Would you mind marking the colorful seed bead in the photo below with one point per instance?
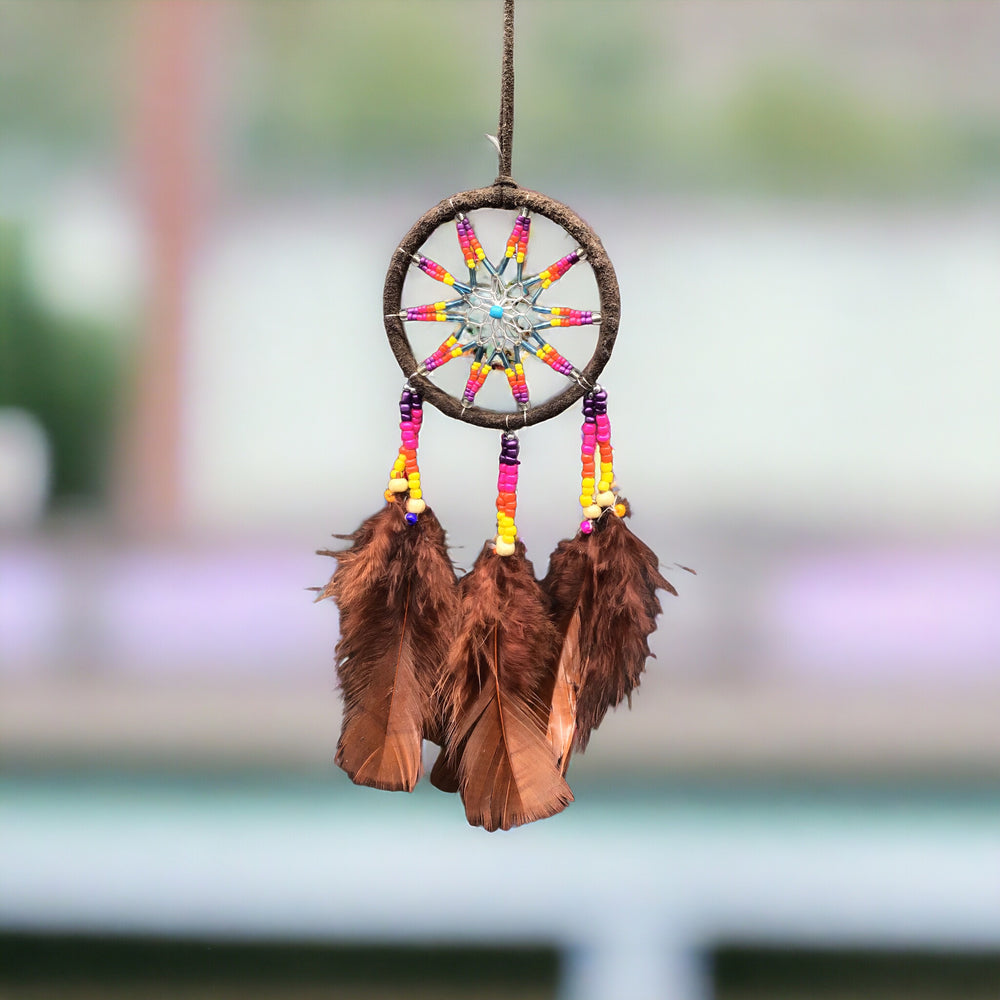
(588, 434)
(555, 271)
(445, 351)
(433, 312)
(477, 376)
(507, 494)
(517, 242)
(560, 316)
(437, 272)
(518, 386)
(472, 250)
(604, 437)
(555, 360)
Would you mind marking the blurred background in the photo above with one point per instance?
(198, 201)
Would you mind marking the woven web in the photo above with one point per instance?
(498, 318)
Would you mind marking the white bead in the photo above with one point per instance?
(503, 547)
(592, 512)
(606, 499)
(416, 506)
(398, 485)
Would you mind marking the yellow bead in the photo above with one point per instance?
(603, 486)
(586, 501)
(592, 511)
(414, 477)
(606, 467)
(415, 505)
(398, 485)
(503, 547)
(588, 482)
(448, 279)
(416, 494)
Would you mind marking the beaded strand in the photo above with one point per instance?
(561, 316)
(472, 250)
(515, 379)
(433, 312)
(597, 493)
(507, 495)
(434, 270)
(517, 242)
(445, 351)
(555, 271)
(553, 358)
(405, 474)
(478, 371)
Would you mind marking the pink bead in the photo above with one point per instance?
(586, 527)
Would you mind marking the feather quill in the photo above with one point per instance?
(602, 589)
(397, 593)
(498, 670)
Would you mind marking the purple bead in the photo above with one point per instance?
(411, 518)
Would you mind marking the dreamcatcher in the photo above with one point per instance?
(509, 675)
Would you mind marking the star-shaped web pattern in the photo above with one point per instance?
(497, 316)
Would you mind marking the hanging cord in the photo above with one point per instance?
(504, 139)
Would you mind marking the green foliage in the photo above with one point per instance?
(64, 372)
(793, 128)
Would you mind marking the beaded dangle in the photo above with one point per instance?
(506, 673)
(404, 477)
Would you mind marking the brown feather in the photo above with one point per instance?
(603, 592)
(500, 663)
(565, 690)
(444, 773)
(397, 593)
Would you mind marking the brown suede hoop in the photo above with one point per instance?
(504, 194)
